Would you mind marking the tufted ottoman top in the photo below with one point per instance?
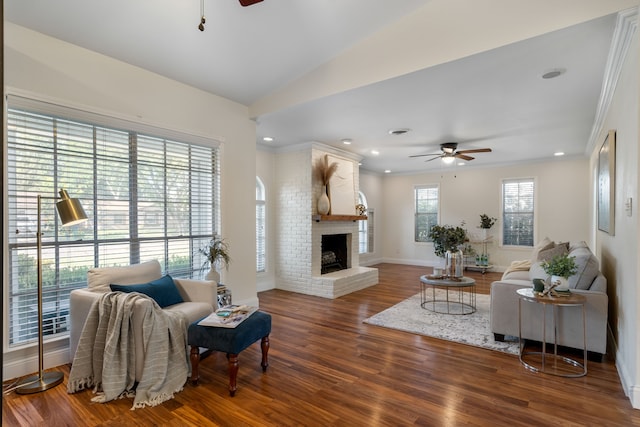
(230, 340)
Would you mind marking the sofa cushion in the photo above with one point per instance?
(99, 279)
(537, 272)
(163, 290)
(588, 268)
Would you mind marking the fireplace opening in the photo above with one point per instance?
(335, 253)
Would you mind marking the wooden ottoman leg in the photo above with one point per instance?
(195, 360)
(264, 345)
(233, 373)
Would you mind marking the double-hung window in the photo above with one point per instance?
(365, 227)
(426, 210)
(147, 197)
(518, 203)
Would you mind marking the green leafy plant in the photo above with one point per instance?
(447, 238)
(561, 265)
(486, 221)
(217, 253)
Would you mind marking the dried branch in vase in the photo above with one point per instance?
(323, 171)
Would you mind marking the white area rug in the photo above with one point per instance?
(472, 329)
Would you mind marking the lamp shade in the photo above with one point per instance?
(70, 210)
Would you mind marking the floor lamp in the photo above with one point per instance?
(70, 212)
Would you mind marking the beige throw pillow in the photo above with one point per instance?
(545, 244)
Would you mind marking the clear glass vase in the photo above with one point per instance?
(454, 263)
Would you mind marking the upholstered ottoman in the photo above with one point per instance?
(231, 341)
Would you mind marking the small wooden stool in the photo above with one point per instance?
(230, 341)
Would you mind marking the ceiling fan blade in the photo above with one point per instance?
(422, 155)
(437, 157)
(463, 157)
(476, 150)
(246, 3)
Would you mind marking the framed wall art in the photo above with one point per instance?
(606, 183)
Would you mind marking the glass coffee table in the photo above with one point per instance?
(458, 296)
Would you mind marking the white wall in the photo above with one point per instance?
(562, 206)
(49, 69)
(618, 254)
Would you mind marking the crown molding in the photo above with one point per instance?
(626, 27)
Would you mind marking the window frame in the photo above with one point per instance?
(365, 233)
(17, 198)
(533, 212)
(261, 204)
(416, 190)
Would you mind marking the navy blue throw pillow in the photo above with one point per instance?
(163, 290)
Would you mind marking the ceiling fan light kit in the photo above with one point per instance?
(449, 153)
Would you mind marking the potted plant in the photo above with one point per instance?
(446, 243)
(217, 253)
(560, 268)
(447, 238)
(486, 222)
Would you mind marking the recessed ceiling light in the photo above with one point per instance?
(551, 74)
(400, 131)
(559, 153)
(346, 141)
(461, 163)
(387, 171)
(375, 152)
(267, 139)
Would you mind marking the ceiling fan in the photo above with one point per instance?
(203, 20)
(449, 152)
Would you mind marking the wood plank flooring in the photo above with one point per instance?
(328, 368)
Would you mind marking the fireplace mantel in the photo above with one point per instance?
(354, 218)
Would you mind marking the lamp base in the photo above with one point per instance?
(35, 384)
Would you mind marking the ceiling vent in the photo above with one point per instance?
(398, 131)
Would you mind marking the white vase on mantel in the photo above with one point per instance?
(324, 204)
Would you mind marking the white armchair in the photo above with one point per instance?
(200, 300)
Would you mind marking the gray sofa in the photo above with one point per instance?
(588, 281)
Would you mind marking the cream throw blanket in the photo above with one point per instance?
(105, 358)
(518, 266)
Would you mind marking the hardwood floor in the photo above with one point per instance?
(328, 368)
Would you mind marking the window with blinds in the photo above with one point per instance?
(261, 238)
(518, 212)
(365, 228)
(146, 198)
(426, 210)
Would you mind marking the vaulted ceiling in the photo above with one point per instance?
(327, 70)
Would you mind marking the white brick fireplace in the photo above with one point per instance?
(299, 244)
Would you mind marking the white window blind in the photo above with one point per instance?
(518, 212)
(363, 228)
(426, 210)
(147, 198)
(261, 238)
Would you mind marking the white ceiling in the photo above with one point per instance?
(495, 98)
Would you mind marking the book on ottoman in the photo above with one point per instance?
(228, 316)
